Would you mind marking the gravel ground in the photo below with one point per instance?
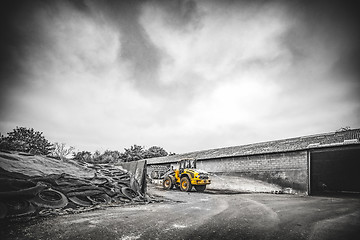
(209, 215)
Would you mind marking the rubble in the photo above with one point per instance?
(41, 186)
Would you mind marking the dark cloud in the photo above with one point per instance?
(179, 14)
(138, 47)
(22, 32)
(336, 22)
(243, 61)
(13, 17)
(80, 5)
(333, 25)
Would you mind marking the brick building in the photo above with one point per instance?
(309, 164)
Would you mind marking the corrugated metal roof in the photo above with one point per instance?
(338, 138)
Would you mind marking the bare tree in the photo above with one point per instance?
(61, 150)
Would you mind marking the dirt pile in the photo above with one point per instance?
(37, 185)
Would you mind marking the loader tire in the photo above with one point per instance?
(185, 184)
(200, 188)
(168, 183)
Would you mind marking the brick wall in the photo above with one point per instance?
(285, 169)
(155, 171)
(264, 162)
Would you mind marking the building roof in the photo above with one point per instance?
(338, 138)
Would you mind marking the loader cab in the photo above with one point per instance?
(187, 163)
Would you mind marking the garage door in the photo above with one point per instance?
(335, 170)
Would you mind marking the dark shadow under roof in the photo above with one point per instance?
(338, 138)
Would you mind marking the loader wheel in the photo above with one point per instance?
(185, 184)
(200, 188)
(167, 183)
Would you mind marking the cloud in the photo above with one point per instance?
(224, 64)
(184, 75)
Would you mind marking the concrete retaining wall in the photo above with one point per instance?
(287, 170)
(284, 169)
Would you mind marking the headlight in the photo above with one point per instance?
(203, 176)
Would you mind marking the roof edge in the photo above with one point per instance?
(354, 141)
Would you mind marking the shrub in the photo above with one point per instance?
(26, 140)
(60, 150)
(155, 151)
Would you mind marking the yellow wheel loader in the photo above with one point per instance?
(186, 176)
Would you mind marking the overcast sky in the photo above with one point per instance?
(183, 75)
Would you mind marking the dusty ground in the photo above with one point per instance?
(209, 215)
(241, 184)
